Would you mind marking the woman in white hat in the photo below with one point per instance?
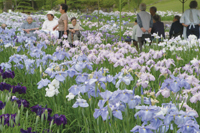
(50, 23)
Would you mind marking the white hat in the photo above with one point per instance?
(50, 12)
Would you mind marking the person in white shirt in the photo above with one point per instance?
(74, 30)
(190, 20)
(134, 35)
(49, 24)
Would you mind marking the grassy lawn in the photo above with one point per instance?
(162, 5)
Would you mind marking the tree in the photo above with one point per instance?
(25, 5)
(6, 4)
(136, 4)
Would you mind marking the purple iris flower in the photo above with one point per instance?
(1, 70)
(60, 55)
(81, 78)
(103, 112)
(124, 78)
(117, 113)
(93, 92)
(74, 89)
(80, 102)
(143, 129)
(59, 75)
(71, 72)
(20, 89)
(4, 86)
(7, 119)
(43, 82)
(133, 102)
(79, 66)
(27, 131)
(170, 117)
(14, 98)
(8, 74)
(163, 128)
(15, 58)
(39, 111)
(123, 96)
(146, 112)
(2, 105)
(84, 88)
(175, 84)
(156, 121)
(24, 102)
(5, 66)
(58, 120)
(188, 127)
(106, 96)
(35, 52)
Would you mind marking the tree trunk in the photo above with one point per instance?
(33, 4)
(9, 4)
(4, 7)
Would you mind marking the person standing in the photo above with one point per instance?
(190, 20)
(145, 22)
(158, 27)
(62, 22)
(176, 28)
(153, 11)
(134, 35)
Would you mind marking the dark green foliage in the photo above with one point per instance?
(25, 5)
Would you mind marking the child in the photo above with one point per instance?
(176, 28)
(158, 27)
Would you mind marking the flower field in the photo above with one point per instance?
(103, 85)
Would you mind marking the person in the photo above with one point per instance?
(29, 27)
(145, 23)
(62, 22)
(153, 11)
(190, 20)
(134, 35)
(49, 24)
(176, 28)
(3, 26)
(74, 30)
(158, 26)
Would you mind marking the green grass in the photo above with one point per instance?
(162, 5)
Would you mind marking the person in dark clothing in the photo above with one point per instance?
(176, 28)
(153, 11)
(158, 26)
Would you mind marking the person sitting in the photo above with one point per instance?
(74, 30)
(176, 28)
(3, 26)
(29, 27)
(134, 35)
(49, 24)
(158, 27)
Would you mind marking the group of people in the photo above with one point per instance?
(147, 24)
(55, 27)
